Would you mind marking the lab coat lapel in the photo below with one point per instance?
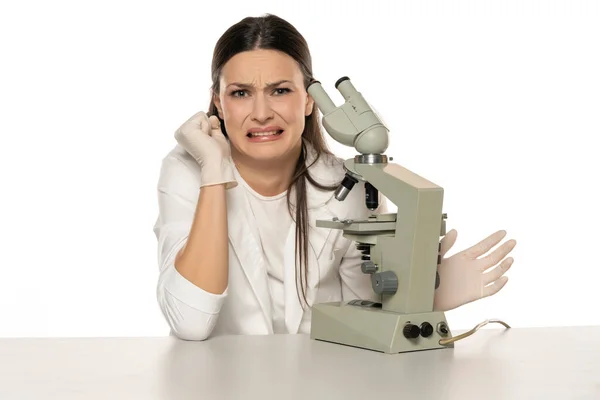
(317, 239)
(245, 240)
(317, 210)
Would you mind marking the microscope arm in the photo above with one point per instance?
(413, 250)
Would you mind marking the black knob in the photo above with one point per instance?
(426, 329)
(411, 331)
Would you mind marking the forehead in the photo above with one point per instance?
(261, 67)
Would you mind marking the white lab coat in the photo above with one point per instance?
(245, 306)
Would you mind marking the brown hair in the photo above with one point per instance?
(272, 32)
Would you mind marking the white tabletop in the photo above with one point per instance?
(537, 363)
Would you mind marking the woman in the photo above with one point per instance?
(238, 249)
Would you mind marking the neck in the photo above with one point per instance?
(268, 178)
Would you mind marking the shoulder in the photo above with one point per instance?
(325, 168)
(179, 169)
(178, 156)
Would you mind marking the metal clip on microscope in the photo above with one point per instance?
(400, 250)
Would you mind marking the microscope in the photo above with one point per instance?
(400, 251)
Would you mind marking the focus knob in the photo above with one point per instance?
(368, 267)
(411, 331)
(385, 282)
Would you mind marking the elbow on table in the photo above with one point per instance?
(190, 333)
(197, 327)
(185, 321)
(190, 311)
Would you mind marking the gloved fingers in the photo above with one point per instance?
(218, 137)
(215, 125)
(217, 133)
(495, 274)
(494, 288)
(494, 258)
(188, 131)
(485, 245)
(198, 120)
(204, 123)
(448, 241)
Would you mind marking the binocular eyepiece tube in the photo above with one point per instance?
(322, 99)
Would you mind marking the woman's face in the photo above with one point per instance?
(263, 103)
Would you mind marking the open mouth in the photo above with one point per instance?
(262, 134)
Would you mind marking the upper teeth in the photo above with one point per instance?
(264, 133)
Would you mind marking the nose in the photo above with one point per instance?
(261, 111)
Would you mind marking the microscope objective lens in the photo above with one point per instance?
(371, 196)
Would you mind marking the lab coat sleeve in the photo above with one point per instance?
(355, 283)
(190, 311)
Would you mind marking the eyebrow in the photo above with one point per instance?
(269, 85)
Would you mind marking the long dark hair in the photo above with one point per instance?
(272, 32)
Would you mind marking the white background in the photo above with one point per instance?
(497, 102)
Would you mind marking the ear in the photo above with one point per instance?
(309, 105)
(217, 102)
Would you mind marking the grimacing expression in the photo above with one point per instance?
(263, 103)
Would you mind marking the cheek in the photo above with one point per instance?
(292, 110)
(234, 112)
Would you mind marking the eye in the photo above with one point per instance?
(282, 90)
(238, 93)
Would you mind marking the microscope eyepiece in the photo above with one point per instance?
(342, 79)
(312, 82)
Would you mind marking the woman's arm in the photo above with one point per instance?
(192, 249)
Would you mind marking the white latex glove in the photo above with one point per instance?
(463, 276)
(203, 139)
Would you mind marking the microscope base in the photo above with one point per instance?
(372, 328)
